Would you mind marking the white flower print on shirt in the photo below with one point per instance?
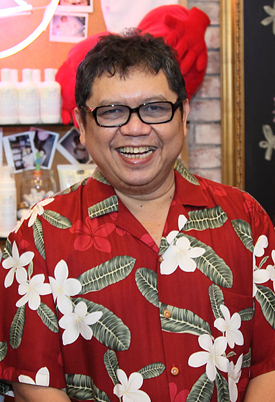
(181, 223)
(180, 255)
(77, 323)
(42, 378)
(37, 210)
(213, 357)
(271, 269)
(129, 389)
(234, 374)
(230, 325)
(32, 290)
(259, 275)
(16, 264)
(63, 287)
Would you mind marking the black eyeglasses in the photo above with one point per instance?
(119, 115)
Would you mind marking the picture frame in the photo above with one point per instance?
(248, 99)
(45, 142)
(19, 151)
(68, 27)
(67, 6)
(69, 146)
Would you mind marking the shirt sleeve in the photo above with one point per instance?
(29, 335)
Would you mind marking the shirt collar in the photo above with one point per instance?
(104, 200)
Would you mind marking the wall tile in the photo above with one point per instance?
(205, 110)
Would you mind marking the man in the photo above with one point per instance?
(137, 284)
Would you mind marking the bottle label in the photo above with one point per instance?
(7, 214)
(8, 102)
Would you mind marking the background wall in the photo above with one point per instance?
(205, 117)
(204, 130)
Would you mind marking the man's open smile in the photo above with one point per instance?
(136, 152)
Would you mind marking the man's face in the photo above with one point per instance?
(137, 158)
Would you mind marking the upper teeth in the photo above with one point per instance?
(135, 150)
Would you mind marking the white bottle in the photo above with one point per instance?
(8, 98)
(28, 99)
(50, 98)
(36, 78)
(14, 76)
(7, 201)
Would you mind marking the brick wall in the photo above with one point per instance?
(204, 135)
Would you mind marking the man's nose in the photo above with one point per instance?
(135, 126)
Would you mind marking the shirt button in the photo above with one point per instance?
(174, 371)
(166, 313)
(160, 258)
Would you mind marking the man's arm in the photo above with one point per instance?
(261, 388)
(34, 393)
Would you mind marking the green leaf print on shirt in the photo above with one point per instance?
(3, 350)
(7, 252)
(210, 264)
(97, 175)
(57, 220)
(82, 388)
(147, 283)
(203, 219)
(222, 388)
(152, 370)
(109, 329)
(48, 317)
(216, 299)
(38, 237)
(111, 364)
(17, 327)
(104, 207)
(184, 172)
(243, 230)
(183, 321)
(202, 390)
(266, 299)
(106, 274)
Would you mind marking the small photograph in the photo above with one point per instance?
(68, 27)
(71, 147)
(19, 151)
(78, 6)
(44, 144)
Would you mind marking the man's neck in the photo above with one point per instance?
(151, 210)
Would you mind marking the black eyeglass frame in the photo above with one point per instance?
(93, 112)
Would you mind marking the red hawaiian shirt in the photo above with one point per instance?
(91, 305)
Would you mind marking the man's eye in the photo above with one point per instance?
(156, 108)
(111, 113)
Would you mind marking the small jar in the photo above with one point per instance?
(37, 185)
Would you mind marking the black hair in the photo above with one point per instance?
(120, 54)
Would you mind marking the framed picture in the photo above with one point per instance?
(78, 6)
(19, 151)
(248, 98)
(71, 148)
(44, 142)
(68, 27)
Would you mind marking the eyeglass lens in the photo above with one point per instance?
(155, 112)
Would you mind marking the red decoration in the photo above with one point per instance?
(182, 29)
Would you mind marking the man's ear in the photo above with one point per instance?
(186, 111)
(81, 125)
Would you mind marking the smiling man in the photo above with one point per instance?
(145, 282)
